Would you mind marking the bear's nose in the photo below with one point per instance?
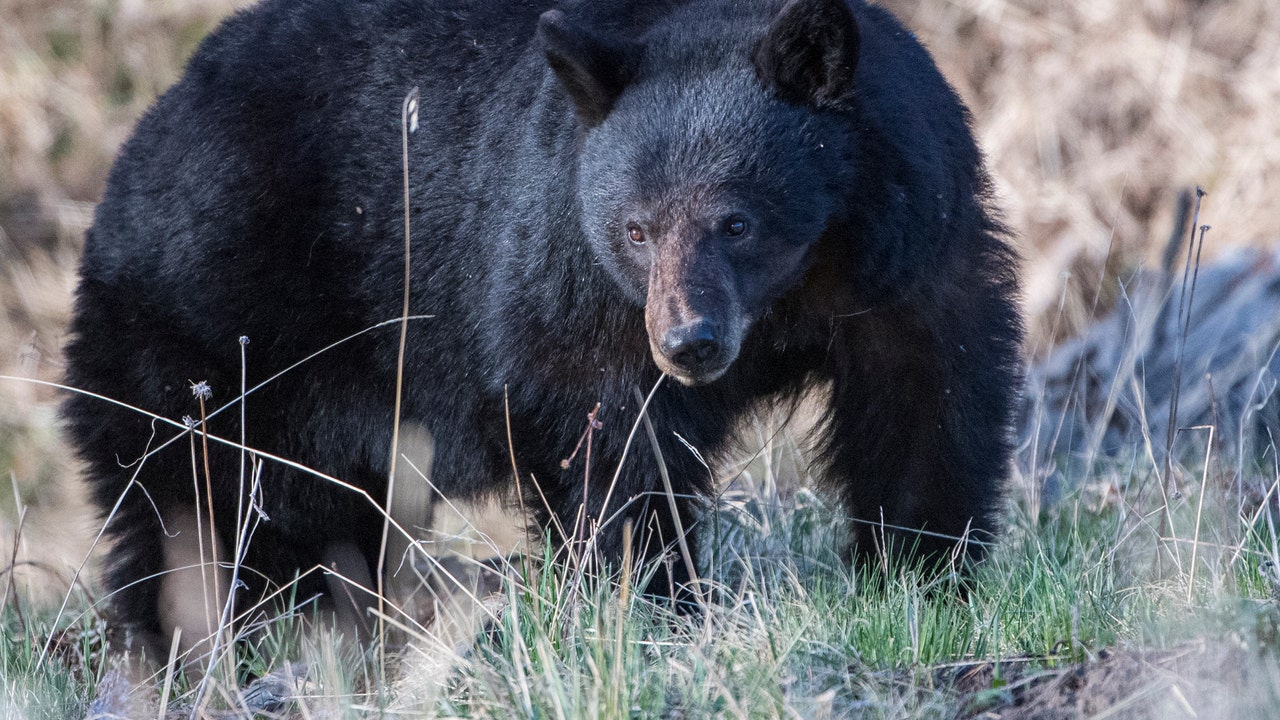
(692, 346)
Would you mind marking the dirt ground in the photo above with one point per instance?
(1201, 679)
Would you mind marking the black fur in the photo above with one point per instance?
(809, 54)
(261, 196)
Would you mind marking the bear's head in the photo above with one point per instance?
(714, 153)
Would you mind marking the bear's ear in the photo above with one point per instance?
(591, 70)
(809, 53)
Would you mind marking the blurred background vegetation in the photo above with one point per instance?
(1093, 114)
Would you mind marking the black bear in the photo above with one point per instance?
(750, 198)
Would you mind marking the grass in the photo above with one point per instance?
(792, 630)
(56, 689)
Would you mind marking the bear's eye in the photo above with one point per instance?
(635, 233)
(735, 226)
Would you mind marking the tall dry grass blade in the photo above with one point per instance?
(681, 540)
(10, 585)
(1184, 320)
(1195, 537)
(641, 416)
(247, 524)
(1184, 323)
(408, 124)
(200, 538)
(624, 594)
(202, 392)
(511, 453)
(171, 669)
(244, 506)
(220, 630)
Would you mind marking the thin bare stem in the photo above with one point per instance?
(1185, 300)
(694, 582)
(408, 124)
(1195, 541)
(170, 670)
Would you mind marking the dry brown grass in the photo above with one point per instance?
(74, 77)
(1094, 113)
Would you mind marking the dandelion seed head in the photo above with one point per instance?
(201, 390)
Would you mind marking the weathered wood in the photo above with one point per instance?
(1107, 393)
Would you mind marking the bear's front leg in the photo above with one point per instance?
(918, 442)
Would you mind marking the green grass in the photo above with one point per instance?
(792, 632)
(53, 684)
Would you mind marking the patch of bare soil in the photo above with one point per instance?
(1207, 678)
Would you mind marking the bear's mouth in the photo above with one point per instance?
(700, 379)
(705, 373)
